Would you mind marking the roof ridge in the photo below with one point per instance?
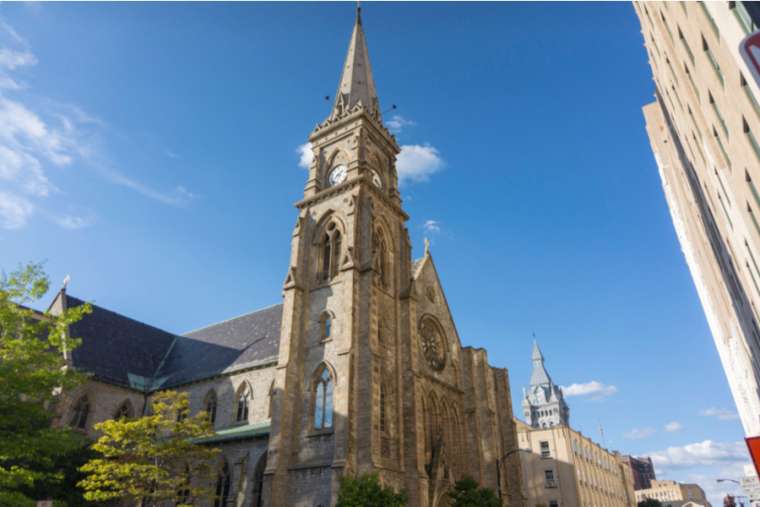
(184, 335)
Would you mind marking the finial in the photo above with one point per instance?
(427, 247)
(358, 12)
(66, 281)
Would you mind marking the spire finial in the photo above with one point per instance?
(358, 12)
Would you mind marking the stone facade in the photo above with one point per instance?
(366, 372)
(543, 402)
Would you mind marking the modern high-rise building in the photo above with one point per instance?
(704, 128)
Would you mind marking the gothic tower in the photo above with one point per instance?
(337, 397)
(544, 404)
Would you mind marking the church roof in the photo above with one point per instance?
(124, 351)
(114, 346)
(250, 339)
(356, 82)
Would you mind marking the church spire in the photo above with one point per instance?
(539, 376)
(356, 84)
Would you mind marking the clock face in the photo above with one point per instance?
(433, 344)
(337, 175)
(376, 179)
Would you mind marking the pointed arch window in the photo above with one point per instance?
(223, 483)
(381, 258)
(124, 411)
(81, 413)
(330, 248)
(209, 404)
(323, 400)
(325, 326)
(183, 491)
(383, 410)
(244, 397)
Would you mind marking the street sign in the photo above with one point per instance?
(750, 51)
(753, 444)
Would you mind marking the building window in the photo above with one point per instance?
(750, 137)
(553, 503)
(210, 406)
(545, 453)
(383, 414)
(325, 326)
(549, 478)
(329, 252)
(124, 411)
(713, 61)
(81, 413)
(323, 400)
(223, 482)
(380, 259)
(243, 402)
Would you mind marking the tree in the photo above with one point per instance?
(650, 502)
(468, 493)
(33, 374)
(157, 458)
(366, 491)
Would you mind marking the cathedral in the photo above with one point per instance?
(359, 368)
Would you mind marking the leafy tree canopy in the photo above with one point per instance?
(156, 458)
(33, 374)
(468, 493)
(366, 491)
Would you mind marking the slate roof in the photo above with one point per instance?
(113, 346)
(247, 340)
(123, 351)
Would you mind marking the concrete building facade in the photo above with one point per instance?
(360, 368)
(672, 491)
(642, 469)
(703, 128)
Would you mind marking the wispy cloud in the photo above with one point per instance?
(720, 413)
(305, 155)
(673, 426)
(702, 453)
(639, 433)
(38, 137)
(397, 123)
(416, 163)
(594, 390)
(432, 226)
(14, 211)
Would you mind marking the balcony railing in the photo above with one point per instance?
(715, 66)
(753, 143)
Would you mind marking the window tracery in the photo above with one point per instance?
(323, 399)
(209, 404)
(329, 252)
(243, 402)
(81, 413)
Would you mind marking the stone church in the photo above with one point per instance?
(358, 369)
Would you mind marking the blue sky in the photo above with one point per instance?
(151, 152)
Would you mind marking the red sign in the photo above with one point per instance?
(753, 444)
(750, 51)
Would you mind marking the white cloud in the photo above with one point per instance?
(11, 59)
(14, 211)
(73, 222)
(703, 453)
(416, 163)
(639, 433)
(432, 226)
(673, 426)
(43, 134)
(720, 413)
(397, 123)
(594, 390)
(305, 155)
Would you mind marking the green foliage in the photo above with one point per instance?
(154, 458)
(366, 491)
(33, 373)
(650, 502)
(468, 493)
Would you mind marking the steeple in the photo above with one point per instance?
(539, 376)
(543, 402)
(356, 84)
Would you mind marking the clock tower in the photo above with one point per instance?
(337, 397)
